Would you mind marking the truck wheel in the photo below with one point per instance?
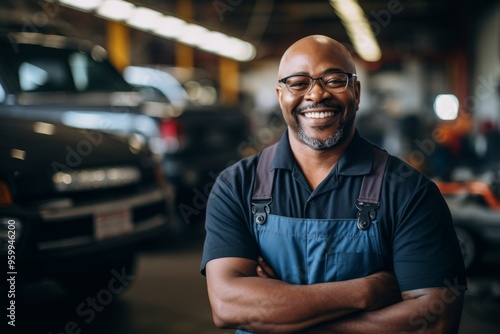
(468, 246)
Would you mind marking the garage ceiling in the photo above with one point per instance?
(401, 26)
(416, 26)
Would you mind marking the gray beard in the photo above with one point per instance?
(322, 144)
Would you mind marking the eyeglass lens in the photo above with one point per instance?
(332, 82)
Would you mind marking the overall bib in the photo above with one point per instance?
(309, 251)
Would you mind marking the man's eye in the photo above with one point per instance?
(335, 82)
(298, 84)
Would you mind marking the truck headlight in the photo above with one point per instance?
(98, 178)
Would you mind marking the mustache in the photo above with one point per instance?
(323, 104)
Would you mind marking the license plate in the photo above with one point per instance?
(112, 224)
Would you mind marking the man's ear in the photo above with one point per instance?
(357, 92)
(279, 92)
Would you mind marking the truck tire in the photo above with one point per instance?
(469, 247)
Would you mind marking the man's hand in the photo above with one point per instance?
(385, 290)
(264, 270)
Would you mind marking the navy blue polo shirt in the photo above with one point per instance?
(417, 236)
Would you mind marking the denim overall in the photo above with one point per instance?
(309, 251)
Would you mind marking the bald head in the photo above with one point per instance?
(316, 45)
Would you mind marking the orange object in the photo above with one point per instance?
(475, 188)
(5, 197)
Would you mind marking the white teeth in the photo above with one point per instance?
(318, 114)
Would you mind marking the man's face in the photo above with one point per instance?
(319, 119)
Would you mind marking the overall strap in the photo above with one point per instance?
(263, 185)
(367, 203)
(369, 194)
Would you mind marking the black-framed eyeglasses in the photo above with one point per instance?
(301, 84)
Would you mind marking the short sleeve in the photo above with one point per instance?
(227, 231)
(426, 252)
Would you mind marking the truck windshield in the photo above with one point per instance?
(35, 68)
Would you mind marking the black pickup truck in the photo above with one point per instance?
(75, 204)
(81, 186)
(69, 81)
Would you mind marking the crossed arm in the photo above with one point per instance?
(244, 295)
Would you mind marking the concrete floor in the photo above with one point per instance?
(168, 296)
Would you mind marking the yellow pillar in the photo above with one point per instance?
(118, 44)
(229, 80)
(184, 55)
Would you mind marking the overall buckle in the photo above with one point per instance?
(367, 213)
(260, 211)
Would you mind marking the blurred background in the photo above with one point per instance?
(116, 117)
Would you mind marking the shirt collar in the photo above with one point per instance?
(356, 160)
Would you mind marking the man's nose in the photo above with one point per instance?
(318, 92)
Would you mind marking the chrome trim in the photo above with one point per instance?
(68, 213)
(96, 99)
(145, 225)
(63, 243)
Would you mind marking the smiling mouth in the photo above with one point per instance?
(315, 114)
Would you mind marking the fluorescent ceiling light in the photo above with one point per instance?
(238, 50)
(358, 29)
(117, 10)
(364, 40)
(193, 34)
(214, 41)
(227, 46)
(144, 18)
(170, 27)
(248, 52)
(218, 49)
(348, 10)
(87, 6)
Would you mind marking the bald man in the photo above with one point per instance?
(324, 232)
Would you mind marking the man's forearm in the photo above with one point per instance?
(266, 306)
(437, 311)
(271, 306)
(240, 300)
